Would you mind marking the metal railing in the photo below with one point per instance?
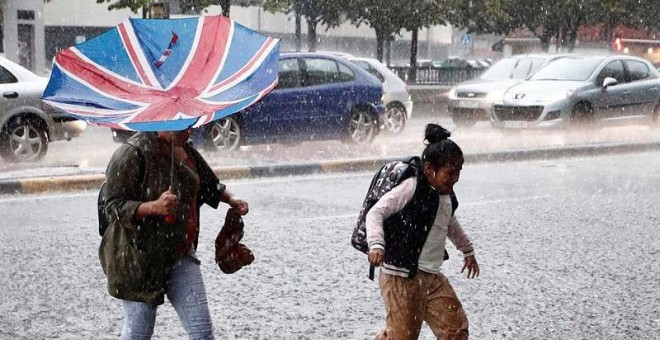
(437, 75)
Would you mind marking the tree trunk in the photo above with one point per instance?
(545, 40)
(389, 50)
(225, 5)
(298, 30)
(412, 76)
(311, 34)
(380, 42)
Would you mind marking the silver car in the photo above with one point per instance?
(582, 90)
(26, 124)
(471, 101)
(396, 97)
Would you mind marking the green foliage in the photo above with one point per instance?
(133, 5)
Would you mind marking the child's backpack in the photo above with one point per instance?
(103, 218)
(389, 176)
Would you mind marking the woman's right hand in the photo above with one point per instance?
(165, 204)
(376, 256)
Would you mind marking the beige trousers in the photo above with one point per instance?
(426, 297)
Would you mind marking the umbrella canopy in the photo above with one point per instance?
(164, 74)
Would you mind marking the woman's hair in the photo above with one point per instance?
(439, 150)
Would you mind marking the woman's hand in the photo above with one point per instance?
(239, 205)
(165, 204)
(470, 262)
(376, 256)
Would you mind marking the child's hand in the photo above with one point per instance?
(376, 256)
(470, 262)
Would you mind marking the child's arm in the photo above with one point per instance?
(388, 205)
(459, 238)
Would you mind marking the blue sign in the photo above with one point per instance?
(466, 39)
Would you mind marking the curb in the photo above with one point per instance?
(88, 182)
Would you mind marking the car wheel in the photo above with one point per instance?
(463, 120)
(361, 127)
(582, 115)
(395, 118)
(655, 116)
(226, 134)
(23, 140)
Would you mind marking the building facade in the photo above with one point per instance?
(34, 30)
(22, 33)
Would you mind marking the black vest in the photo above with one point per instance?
(407, 230)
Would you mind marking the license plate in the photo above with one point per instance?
(470, 104)
(515, 124)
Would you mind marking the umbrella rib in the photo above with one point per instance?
(132, 45)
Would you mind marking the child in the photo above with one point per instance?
(406, 231)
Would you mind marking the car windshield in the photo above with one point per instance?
(500, 70)
(513, 68)
(568, 69)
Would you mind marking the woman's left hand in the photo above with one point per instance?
(470, 262)
(239, 205)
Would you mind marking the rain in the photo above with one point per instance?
(557, 193)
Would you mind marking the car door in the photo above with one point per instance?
(644, 91)
(281, 111)
(10, 90)
(329, 84)
(610, 102)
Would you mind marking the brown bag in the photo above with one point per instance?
(230, 255)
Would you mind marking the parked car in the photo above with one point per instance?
(27, 124)
(582, 90)
(396, 97)
(319, 97)
(471, 101)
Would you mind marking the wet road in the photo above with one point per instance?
(569, 249)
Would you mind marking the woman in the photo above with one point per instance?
(406, 231)
(156, 184)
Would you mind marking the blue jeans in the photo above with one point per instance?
(187, 294)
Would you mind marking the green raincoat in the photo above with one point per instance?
(137, 255)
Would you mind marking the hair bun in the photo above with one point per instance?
(435, 133)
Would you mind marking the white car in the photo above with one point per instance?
(27, 124)
(396, 97)
(471, 101)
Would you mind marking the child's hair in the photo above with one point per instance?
(439, 150)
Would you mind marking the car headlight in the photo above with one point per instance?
(556, 96)
(452, 93)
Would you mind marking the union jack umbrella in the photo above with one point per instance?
(164, 74)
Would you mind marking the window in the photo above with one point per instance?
(367, 67)
(522, 69)
(320, 71)
(569, 68)
(6, 77)
(613, 70)
(346, 74)
(637, 70)
(289, 75)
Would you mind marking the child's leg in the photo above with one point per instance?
(404, 306)
(444, 312)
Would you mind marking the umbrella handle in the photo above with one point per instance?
(169, 219)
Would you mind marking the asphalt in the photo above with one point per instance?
(49, 180)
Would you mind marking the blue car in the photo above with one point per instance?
(319, 97)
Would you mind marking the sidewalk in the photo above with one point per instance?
(62, 179)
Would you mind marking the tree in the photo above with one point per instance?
(422, 13)
(326, 12)
(384, 16)
(133, 5)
